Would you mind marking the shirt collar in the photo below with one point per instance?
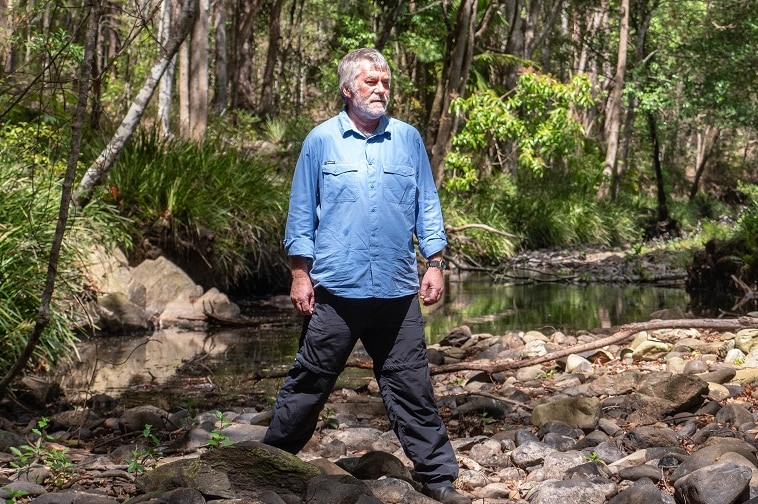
(346, 125)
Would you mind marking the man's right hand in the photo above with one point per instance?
(301, 292)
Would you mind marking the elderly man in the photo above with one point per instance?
(362, 189)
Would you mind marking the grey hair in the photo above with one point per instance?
(350, 66)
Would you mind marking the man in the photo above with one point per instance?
(362, 190)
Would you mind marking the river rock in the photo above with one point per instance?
(720, 483)
(155, 292)
(580, 412)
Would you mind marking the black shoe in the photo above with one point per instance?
(447, 495)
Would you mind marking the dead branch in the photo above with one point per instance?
(625, 332)
(483, 227)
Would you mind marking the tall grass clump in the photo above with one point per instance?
(546, 219)
(205, 203)
(478, 229)
(30, 189)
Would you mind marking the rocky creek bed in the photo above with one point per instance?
(662, 412)
(663, 415)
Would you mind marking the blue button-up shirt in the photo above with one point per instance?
(356, 204)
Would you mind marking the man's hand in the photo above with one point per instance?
(301, 291)
(432, 286)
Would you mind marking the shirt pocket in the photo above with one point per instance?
(340, 182)
(399, 184)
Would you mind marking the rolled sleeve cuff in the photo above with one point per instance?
(301, 247)
(432, 244)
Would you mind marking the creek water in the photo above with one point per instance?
(223, 366)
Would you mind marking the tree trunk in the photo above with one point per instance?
(166, 83)
(706, 141)
(198, 83)
(7, 28)
(266, 107)
(614, 109)
(663, 212)
(99, 169)
(453, 84)
(93, 8)
(220, 98)
(242, 93)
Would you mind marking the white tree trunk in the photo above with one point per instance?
(164, 91)
(613, 117)
(182, 84)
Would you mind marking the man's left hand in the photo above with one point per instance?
(432, 286)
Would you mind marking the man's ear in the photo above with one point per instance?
(346, 92)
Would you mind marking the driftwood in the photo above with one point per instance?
(625, 332)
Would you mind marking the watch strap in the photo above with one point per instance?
(437, 263)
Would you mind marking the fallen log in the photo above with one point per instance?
(625, 332)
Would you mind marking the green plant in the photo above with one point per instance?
(593, 457)
(329, 419)
(14, 495)
(486, 422)
(30, 187)
(141, 456)
(545, 375)
(30, 454)
(217, 439)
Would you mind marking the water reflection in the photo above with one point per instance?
(497, 308)
(222, 366)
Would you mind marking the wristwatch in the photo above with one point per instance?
(440, 263)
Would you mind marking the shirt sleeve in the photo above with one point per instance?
(430, 228)
(302, 216)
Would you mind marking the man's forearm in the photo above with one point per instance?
(299, 266)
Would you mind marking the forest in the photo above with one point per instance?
(172, 128)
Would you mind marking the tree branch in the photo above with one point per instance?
(625, 332)
(484, 227)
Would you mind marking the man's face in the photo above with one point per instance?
(370, 93)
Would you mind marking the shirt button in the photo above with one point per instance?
(373, 210)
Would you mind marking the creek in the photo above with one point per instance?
(221, 365)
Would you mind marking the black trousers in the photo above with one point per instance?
(392, 332)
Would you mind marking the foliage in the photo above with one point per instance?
(13, 495)
(747, 230)
(721, 56)
(144, 456)
(30, 186)
(208, 197)
(329, 419)
(534, 122)
(216, 438)
(54, 458)
(546, 198)
(475, 245)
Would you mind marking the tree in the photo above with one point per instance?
(220, 97)
(241, 59)
(613, 117)
(460, 51)
(167, 80)
(92, 10)
(266, 107)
